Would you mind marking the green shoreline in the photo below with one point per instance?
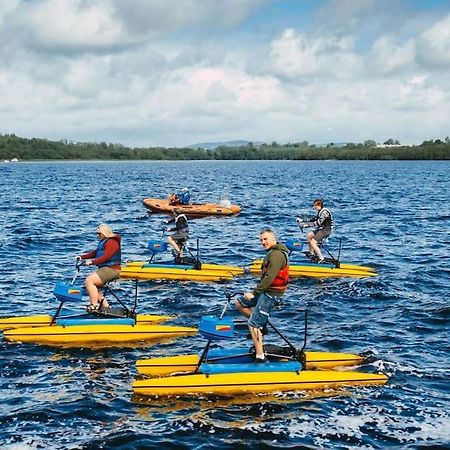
(40, 150)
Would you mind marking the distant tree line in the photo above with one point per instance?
(12, 146)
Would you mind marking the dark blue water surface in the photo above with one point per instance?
(392, 215)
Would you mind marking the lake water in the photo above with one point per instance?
(391, 215)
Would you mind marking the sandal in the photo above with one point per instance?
(92, 308)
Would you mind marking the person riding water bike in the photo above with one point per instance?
(256, 305)
(181, 235)
(324, 223)
(107, 257)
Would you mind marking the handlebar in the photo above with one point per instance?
(80, 262)
(231, 296)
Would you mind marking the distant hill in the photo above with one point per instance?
(214, 145)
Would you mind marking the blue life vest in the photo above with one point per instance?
(184, 198)
(115, 260)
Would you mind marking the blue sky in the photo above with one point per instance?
(177, 72)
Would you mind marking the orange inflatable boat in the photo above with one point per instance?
(157, 205)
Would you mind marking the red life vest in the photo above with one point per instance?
(280, 282)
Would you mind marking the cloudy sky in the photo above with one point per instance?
(178, 72)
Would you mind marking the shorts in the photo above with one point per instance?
(181, 235)
(262, 305)
(107, 274)
(320, 235)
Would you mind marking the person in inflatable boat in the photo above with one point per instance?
(257, 304)
(107, 257)
(180, 198)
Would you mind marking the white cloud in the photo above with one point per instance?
(67, 26)
(71, 26)
(434, 44)
(387, 56)
(167, 15)
(148, 73)
(295, 55)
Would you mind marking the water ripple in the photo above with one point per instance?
(391, 215)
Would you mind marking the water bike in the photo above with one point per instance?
(186, 268)
(233, 370)
(112, 325)
(193, 210)
(303, 264)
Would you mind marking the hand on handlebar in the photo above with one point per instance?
(79, 262)
(234, 294)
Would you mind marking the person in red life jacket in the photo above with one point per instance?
(256, 305)
(107, 257)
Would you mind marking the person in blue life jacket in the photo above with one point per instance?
(107, 257)
(184, 196)
(323, 223)
(181, 232)
(257, 304)
(180, 198)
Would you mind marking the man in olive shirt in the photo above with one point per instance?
(256, 305)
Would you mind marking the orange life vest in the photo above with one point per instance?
(280, 282)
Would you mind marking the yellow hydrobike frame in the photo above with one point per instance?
(105, 325)
(229, 371)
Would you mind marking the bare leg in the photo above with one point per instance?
(257, 341)
(247, 312)
(96, 297)
(102, 300)
(316, 249)
(255, 333)
(309, 236)
(173, 244)
(92, 283)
